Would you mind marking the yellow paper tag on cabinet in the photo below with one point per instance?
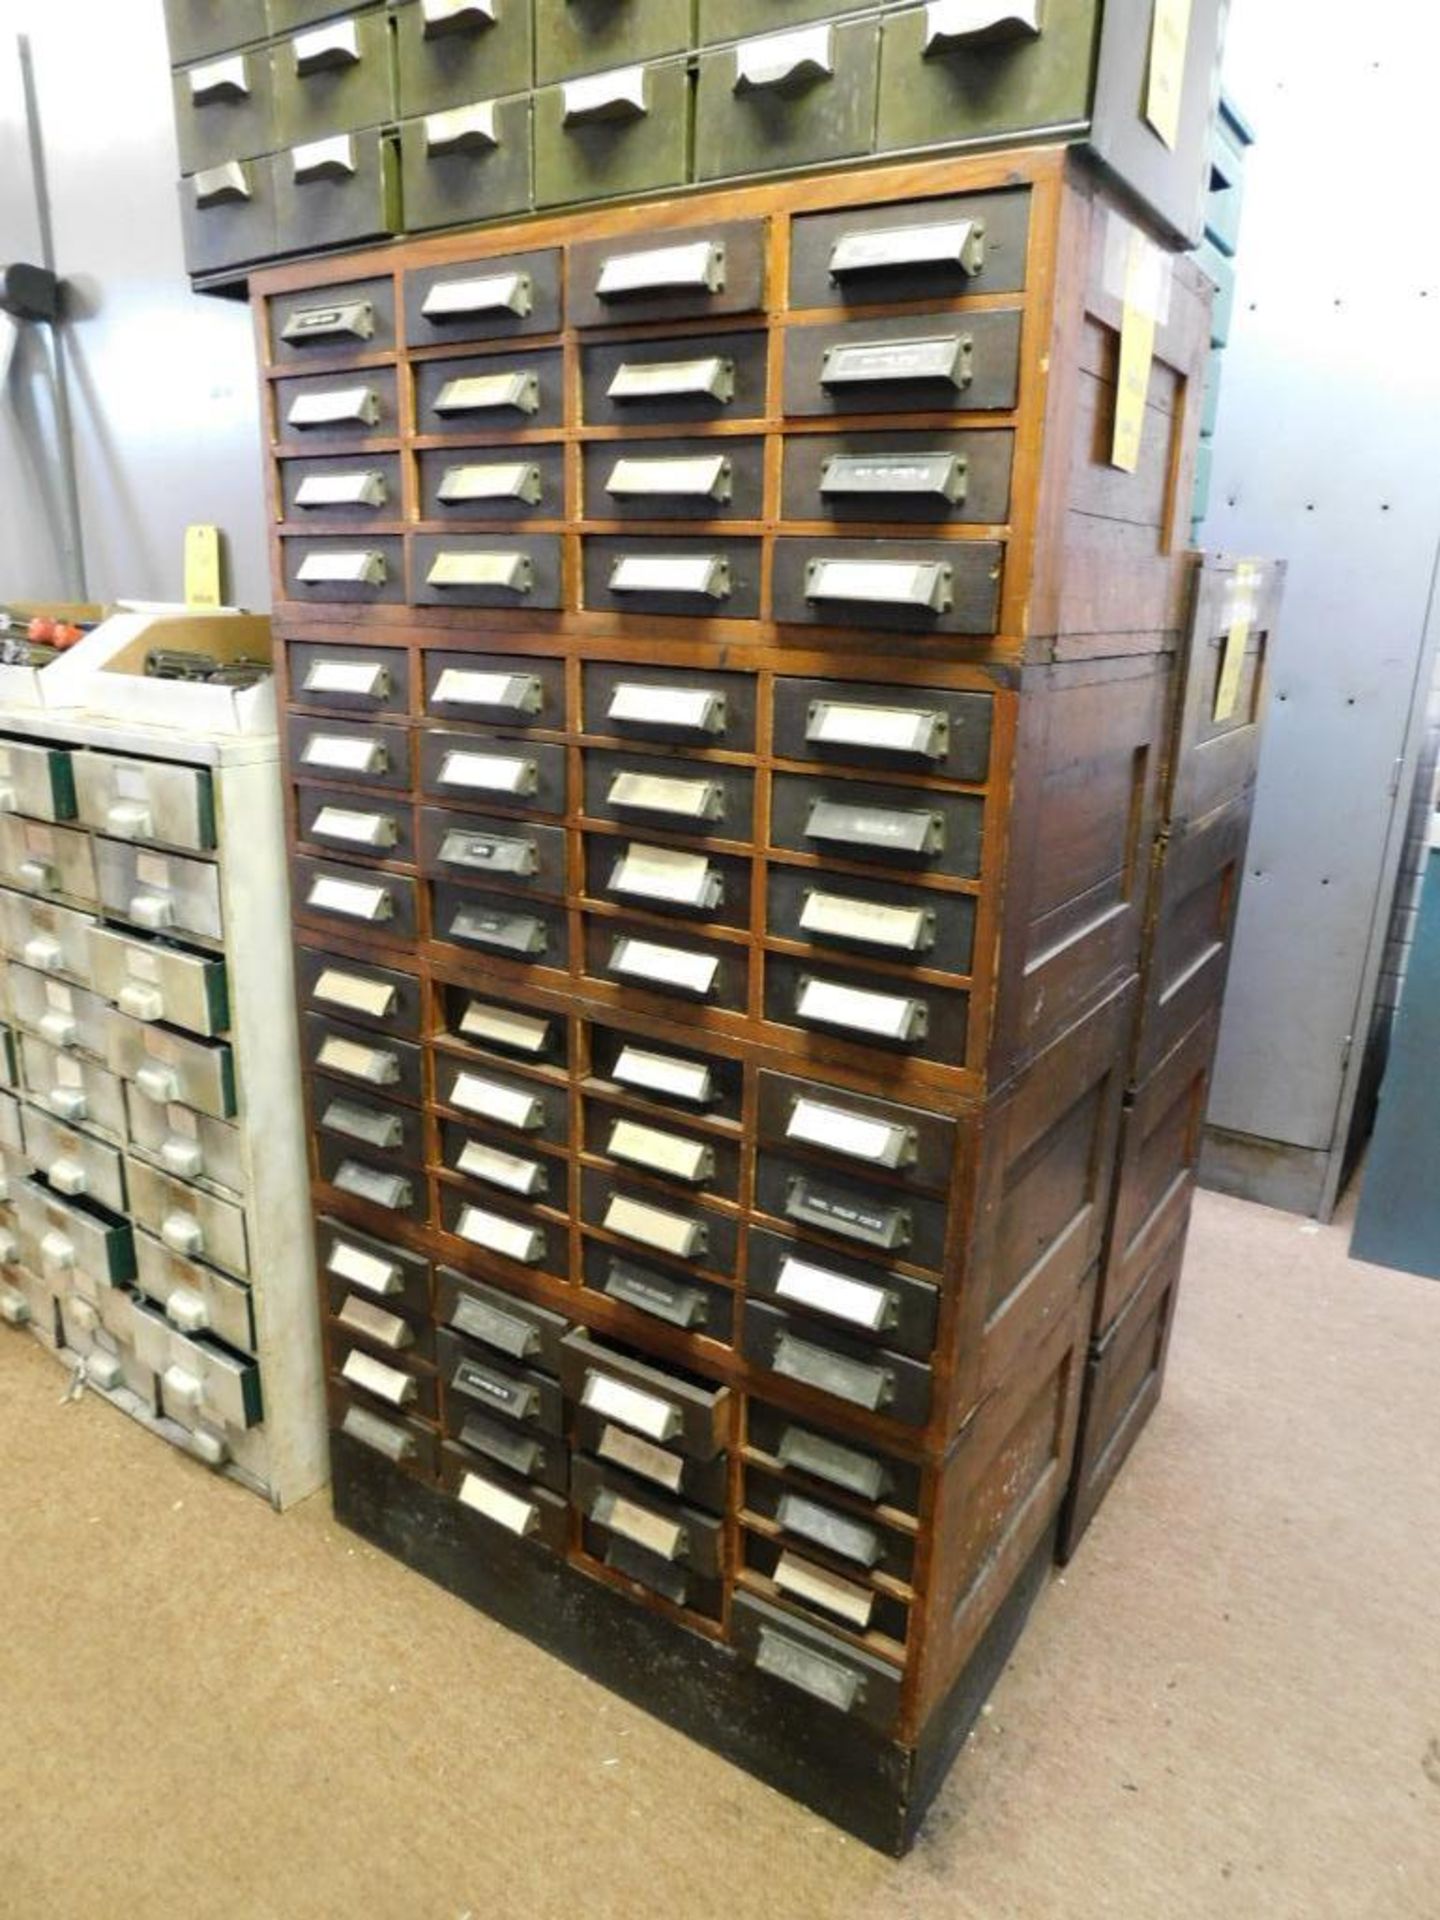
(1232, 662)
(1165, 88)
(202, 567)
(1137, 351)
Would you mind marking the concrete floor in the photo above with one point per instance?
(1229, 1706)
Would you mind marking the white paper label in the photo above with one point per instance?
(664, 1152)
(660, 1073)
(833, 1293)
(644, 960)
(463, 687)
(878, 1142)
(362, 1269)
(497, 1169)
(506, 1509)
(488, 773)
(659, 793)
(647, 1413)
(882, 729)
(522, 1033)
(356, 994)
(821, 1588)
(353, 899)
(843, 918)
(361, 1063)
(346, 752)
(664, 873)
(387, 1383)
(691, 709)
(655, 1227)
(501, 1235)
(506, 1105)
(891, 1016)
(365, 677)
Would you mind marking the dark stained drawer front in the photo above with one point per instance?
(512, 853)
(467, 164)
(676, 1080)
(490, 1159)
(874, 1380)
(493, 1025)
(681, 1586)
(866, 1009)
(349, 750)
(613, 1502)
(911, 475)
(356, 899)
(856, 1539)
(527, 931)
(916, 586)
(373, 1178)
(369, 1123)
(670, 795)
(695, 1162)
(479, 770)
(700, 1483)
(876, 1135)
(393, 1276)
(889, 1308)
(404, 1443)
(671, 1299)
(337, 406)
(354, 823)
(683, 381)
(715, 578)
(667, 1408)
(925, 363)
(385, 1329)
(490, 394)
(521, 1507)
(522, 1333)
(491, 299)
(535, 1108)
(820, 1590)
(886, 1222)
(373, 1060)
(920, 729)
(516, 1242)
(813, 1458)
(493, 483)
(379, 997)
(515, 570)
(326, 323)
(347, 678)
(508, 690)
(663, 1225)
(680, 275)
(682, 966)
(923, 829)
(393, 1384)
(675, 480)
(691, 885)
(673, 704)
(871, 919)
(504, 1389)
(539, 1458)
(921, 249)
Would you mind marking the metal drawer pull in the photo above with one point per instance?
(383, 1278)
(802, 1580)
(489, 853)
(507, 572)
(324, 160)
(502, 1027)
(516, 1338)
(837, 1532)
(59, 1026)
(646, 963)
(691, 709)
(803, 1284)
(508, 1510)
(517, 933)
(666, 874)
(696, 266)
(834, 1211)
(343, 319)
(487, 392)
(490, 293)
(913, 730)
(159, 1084)
(497, 1169)
(68, 1103)
(659, 1073)
(835, 916)
(923, 584)
(661, 1152)
(217, 186)
(492, 1100)
(364, 1124)
(884, 1016)
(874, 362)
(461, 130)
(970, 23)
(880, 1143)
(337, 406)
(356, 994)
(787, 61)
(829, 1681)
(355, 829)
(499, 480)
(188, 1310)
(957, 244)
(657, 1295)
(641, 1457)
(657, 1227)
(389, 1190)
(619, 95)
(66, 1175)
(364, 567)
(57, 1252)
(183, 1233)
(394, 1443)
(824, 1459)
(371, 1064)
(661, 793)
(385, 1329)
(655, 1532)
(332, 46)
(939, 476)
(386, 1383)
(363, 489)
(498, 1234)
(706, 574)
(712, 378)
(855, 1381)
(506, 692)
(440, 17)
(645, 1413)
(129, 819)
(43, 953)
(878, 829)
(488, 772)
(40, 875)
(352, 899)
(704, 478)
(182, 1157)
(153, 911)
(221, 80)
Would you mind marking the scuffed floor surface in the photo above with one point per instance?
(1229, 1705)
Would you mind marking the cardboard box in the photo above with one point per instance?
(59, 683)
(118, 686)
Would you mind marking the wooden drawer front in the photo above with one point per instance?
(475, 1379)
(73, 1162)
(384, 1328)
(355, 990)
(685, 381)
(391, 1276)
(493, 483)
(62, 1239)
(621, 133)
(157, 980)
(796, 1453)
(201, 1225)
(1199, 871)
(404, 1443)
(676, 480)
(942, 249)
(877, 1136)
(528, 932)
(356, 899)
(787, 100)
(812, 1661)
(919, 729)
(467, 164)
(691, 885)
(529, 1109)
(148, 800)
(224, 110)
(359, 567)
(699, 1483)
(394, 1384)
(37, 781)
(521, 1333)
(373, 1177)
(367, 1125)
(475, 769)
(513, 853)
(873, 1379)
(871, 919)
(672, 1299)
(1217, 740)
(50, 938)
(586, 36)
(228, 215)
(490, 299)
(939, 477)
(63, 1016)
(325, 323)
(711, 579)
(681, 275)
(673, 1079)
(201, 1381)
(179, 1140)
(541, 1458)
(161, 892)
(493, 393)
(355, 489)
(333, 78)
(890, 1308)
(503, 1029)
(831, 1592)
(340, 752)
(74, 1089)
(918, 828)
(515, 1241)
(522, 1507)
(660, 1225)
(451, 56)
(925, 363)
(337, 406)
(370, 1059)
(694, 1162)
(501, 1167)
(51, 861)
(705, 973)
(624, 1509)
(507, 690)
(670, 795)
(672, 704)
(688, 1415)
(881, 1221)
(489, 570)
(919, 586)
(866, 1009)
(196, 29)
(354, 824)
(195, 1298)
(349, 679)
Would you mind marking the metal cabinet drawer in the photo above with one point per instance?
(537, 1109)
(521, 1507)
(876, 1135)
(927, 730)
(890, 1221)
(675, 480)
(611, 1501)
(493, 393)
(866, 1301)
(787, 100)
(361, 567)
(679, 1300)
(152, 980)
(333, 79)
(704, 579)
(732, 19)
(150, 800)
(224, 110)
(402, 1385)
(518, 570)
(356, 898)
(193, 1145)
(507, 690)
(463, 846)
(840, 1595)
(702, 1483)
(393, 1276)
(51, 861)
(521, 1242)
(537, 1458)
(65, 1240)
(404, 1443)
(524, 1334)
(331, 817)
(520, 1033)
(929, 478)
(199, 1379)
(530, 932)
(623, 132)
(358, 990)
(384, 1328)
(77, 1091)
(942, 85)
(669, 794)
(681, 275)
(584, 36)
(873, 1379)
(490, 299)
(466, 164)
(336, 191)
(74, 1162)
(228, 215)
(665, 1224)
(697, 1162)
(681, 1586)
(367, 1124)
(343, 750)
(373, 1178)
(49, 938)
(818, 1664)
(195, 1298)
(171, 1067)
(36, 781)
(892, 825)
(921, 586)
(698, 377)
(678, 1081)
(286, 15)
(493, 483)
(698, 709)
(922, 363)
(494, 1165)
(161, 892)
(454, 52)
(189, 1220)
(966, 243)
(197, 28)
(668, 1409)
(871, 918)
(479, 768)
(505, 1389)
(867, 1009)
(687, 968)
(353, 488)
(328, 322)
(695, 885)
(67, 1017)
(337, 406)
(811, 1457)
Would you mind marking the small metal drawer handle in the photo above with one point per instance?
(785, 61)
(439, 17)
(327, 48)
(461, 130)
(215, 186)
(221, 80)
(616, 96)
(952, 24)
(324, 160)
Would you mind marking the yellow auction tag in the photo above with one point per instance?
(202, 567)
(1165, 88)
(1137, 350)
(1232, 661)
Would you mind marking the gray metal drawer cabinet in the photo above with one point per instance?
(74, 1163)
(188, 1220)
(161, 892)
(170, 1067)
(158, 980)
(185, 1142)
(152, 800)
(224, 110)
